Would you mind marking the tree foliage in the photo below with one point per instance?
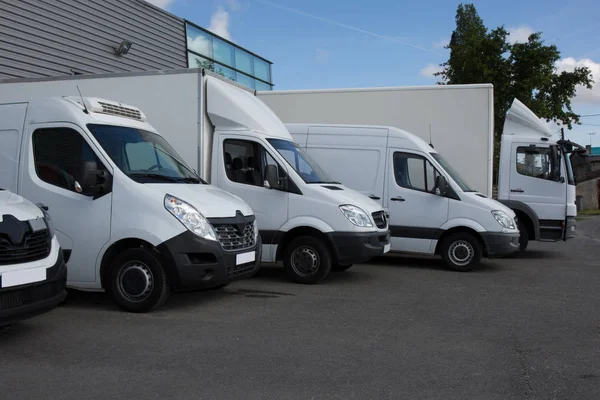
(525, 71)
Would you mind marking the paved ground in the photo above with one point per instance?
(401, 328)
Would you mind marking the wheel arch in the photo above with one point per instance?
(527, 215)
(461, 229)
(289, 236)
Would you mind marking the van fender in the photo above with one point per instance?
(306, 221)
(462, 222)
(527, 211)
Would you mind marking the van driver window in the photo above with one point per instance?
(242, 162)
(414, 172)
(59, 155)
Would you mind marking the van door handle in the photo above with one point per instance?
(372, 196)
(517, 190)
(397, 198)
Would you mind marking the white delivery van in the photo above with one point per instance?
(32, 270)
(131, 216)
(432, 209)
(459, 121)
(236, 143)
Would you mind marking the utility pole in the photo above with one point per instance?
(562, 133)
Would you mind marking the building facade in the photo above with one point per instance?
(69, 37)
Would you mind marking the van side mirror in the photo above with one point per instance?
(96, 182)
(441, 186)
(272, 178)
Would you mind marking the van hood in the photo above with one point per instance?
(482, 201)
(209, 200)
(342, 195)
(17, 206)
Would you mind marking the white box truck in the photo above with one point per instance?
(233, 140)
(535, 174)
(33, 273)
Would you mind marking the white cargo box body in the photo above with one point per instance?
(461, 118)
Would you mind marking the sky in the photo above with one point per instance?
(316, 44)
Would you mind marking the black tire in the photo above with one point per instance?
(307, 260)
(137, 281)
(340, 267)
(523, 238)
(461, 251)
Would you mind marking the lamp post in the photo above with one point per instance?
(591, 133)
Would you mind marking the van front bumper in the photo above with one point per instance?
(197, 263)
(499, 244)
(358, 247)
(570, 228)
(26, 301)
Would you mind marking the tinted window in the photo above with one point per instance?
(60, 155)
(414, 172)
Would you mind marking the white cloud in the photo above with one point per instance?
(519, 34)
(234, 5)
(430, 69)
(584, 95)
(219, 23)
(322, 56)
(164, 4)
(199, 44)
(440, 44)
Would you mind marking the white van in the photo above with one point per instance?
(236, 143)
(432, 210)
(32, 270)
(131, 216)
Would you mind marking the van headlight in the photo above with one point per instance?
(255, 230)
(356, 215)
(190, 217)
(504, 219)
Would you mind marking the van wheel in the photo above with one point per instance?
(340, 267)
(137, 281)
(461, 251)
(306, 260)
(523, 237)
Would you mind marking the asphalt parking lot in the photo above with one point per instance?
(401, 328)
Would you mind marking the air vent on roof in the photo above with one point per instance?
(122, 111)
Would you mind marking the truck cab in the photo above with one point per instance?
(536, 178)
(33, 274)
(307, 220)
(132, 217)
(432, 210)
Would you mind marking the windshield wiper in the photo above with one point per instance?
(326, 182)
(155, 176)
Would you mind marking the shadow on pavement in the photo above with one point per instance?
(431, 263)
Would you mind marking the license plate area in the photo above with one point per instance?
(245, 258)
(23, 277)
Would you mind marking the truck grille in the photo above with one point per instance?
(380, 219)
(30, 295)
(231, 239)
(34, 246)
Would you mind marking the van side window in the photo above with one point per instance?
(414, 172)
(59, 155)
(536, 163)
(245, 162)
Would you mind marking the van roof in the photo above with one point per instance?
(406, 139)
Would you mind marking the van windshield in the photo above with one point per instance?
(142, 155)
(453, 174)
(298, 159)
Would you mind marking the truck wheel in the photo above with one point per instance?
(306, 260)
(523, 237)
(461, 251)
(340, 267)
(137, 281)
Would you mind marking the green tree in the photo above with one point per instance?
(521, 70)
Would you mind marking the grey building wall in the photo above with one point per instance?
(62, 37)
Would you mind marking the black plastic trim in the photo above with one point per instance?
(498, 244)
(416, 232)
(358, 247)
(272, 237)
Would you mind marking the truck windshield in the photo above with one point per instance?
(308, 170)
(453, 174)
(142, 155)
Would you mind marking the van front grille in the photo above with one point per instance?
(34, 246)
(231, 239)
(30, 295)
(380, 219)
